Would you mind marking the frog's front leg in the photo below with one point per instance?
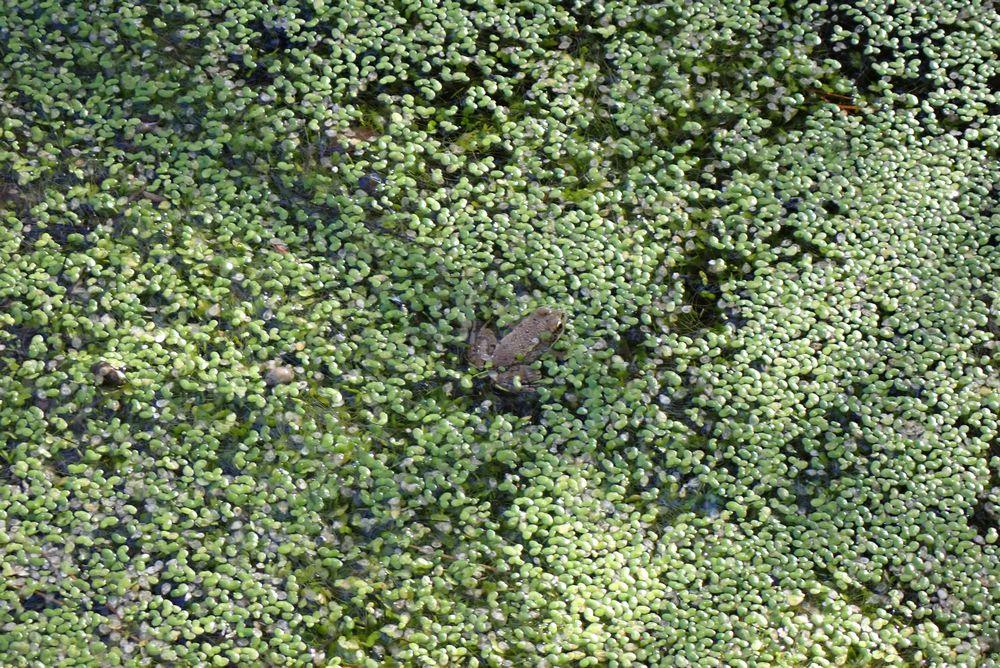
(518, 378)
(481, 347)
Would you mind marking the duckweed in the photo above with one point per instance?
(243, 246)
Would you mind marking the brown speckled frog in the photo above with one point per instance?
(508, 358)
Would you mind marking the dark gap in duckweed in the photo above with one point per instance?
(854, 59)
(919, 83)
(66, 453)
(700, 310)
(259, 76)
(226, 461)
(526, 405)
(74, 236)
(39, 602)
(272, 36)
(985, 514)
(101, 609)
(629, 344)
(17, 339)
(590, 47)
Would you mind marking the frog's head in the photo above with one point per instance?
(549, 320)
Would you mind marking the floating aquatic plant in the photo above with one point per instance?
(242, 249)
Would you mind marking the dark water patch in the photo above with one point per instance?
(855, 56)
(985, 514)
(629, 347)
(270, 36)
(70, 235)
(39, 602)
(526, 404)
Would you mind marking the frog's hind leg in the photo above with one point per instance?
(481, 346)
(520, 378)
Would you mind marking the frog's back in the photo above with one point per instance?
(529, 338)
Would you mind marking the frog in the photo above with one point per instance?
(508, 358)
